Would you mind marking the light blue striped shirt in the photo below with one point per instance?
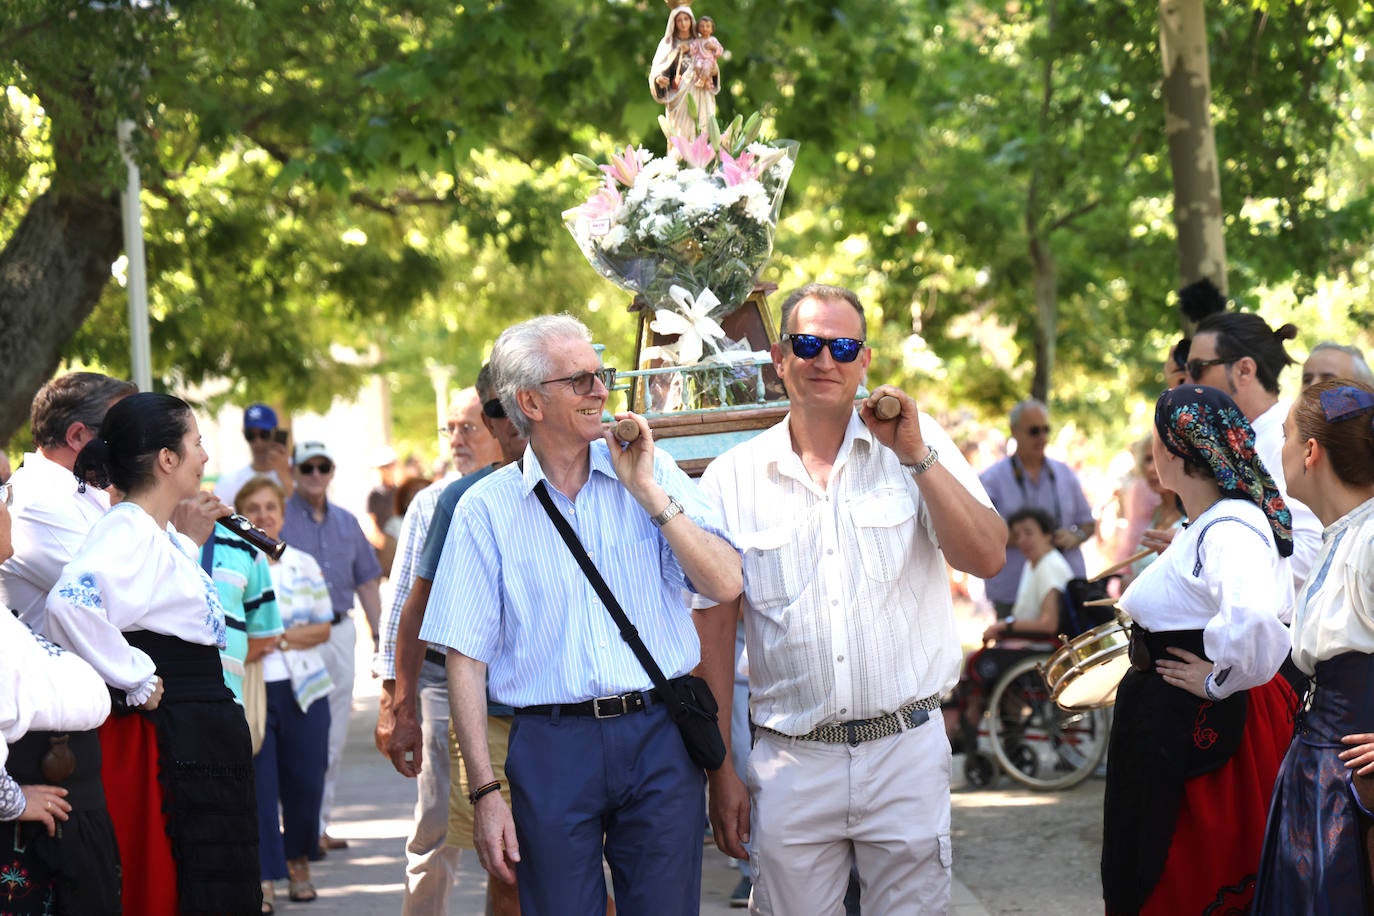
(509, 593)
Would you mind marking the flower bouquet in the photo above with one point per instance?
(690, 232)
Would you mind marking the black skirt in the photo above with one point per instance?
(206, 772)
(77, 871)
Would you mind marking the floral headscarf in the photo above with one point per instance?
(1204, 426)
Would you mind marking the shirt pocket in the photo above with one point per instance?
(884, 524)
(773, 561)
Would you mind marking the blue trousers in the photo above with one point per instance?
(289, 771)
(624, 788)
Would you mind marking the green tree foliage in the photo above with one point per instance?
(389, 177)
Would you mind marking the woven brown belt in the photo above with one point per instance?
(861, 730)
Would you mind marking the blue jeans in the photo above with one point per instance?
(289, 770)
(623, 787)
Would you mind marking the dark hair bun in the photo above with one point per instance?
(93, 463)
(1287, 332)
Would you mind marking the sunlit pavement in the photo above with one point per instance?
(373, 810)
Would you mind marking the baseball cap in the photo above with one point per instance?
(312, 449)
(383, 456)
(259, 416)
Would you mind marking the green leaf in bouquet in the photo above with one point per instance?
(586, 162)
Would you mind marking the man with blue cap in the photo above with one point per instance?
(271, 457)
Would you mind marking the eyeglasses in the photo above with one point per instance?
(7, 493)
(809, 346)
(1194, 367)
(584, 382)
(321, 467)
(467, 429)
(261, 435)
(494, 409)
(1038, 430)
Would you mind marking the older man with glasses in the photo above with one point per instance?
(419, 724)
(331, 534)
(595, 764)
(1029, 478)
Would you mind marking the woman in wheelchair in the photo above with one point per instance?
(1038, 596)
(1202, 719)
(1033, 621)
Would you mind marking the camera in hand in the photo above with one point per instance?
(254, 535)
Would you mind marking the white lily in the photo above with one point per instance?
(693, 323)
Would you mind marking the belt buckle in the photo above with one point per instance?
(596, 707)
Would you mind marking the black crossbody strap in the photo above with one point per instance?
(627, 629)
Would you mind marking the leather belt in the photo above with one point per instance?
(860, 730)
(611, 707)
(434, 655)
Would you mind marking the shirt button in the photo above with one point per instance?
(843, 710)
(839, 658)
(830, 550)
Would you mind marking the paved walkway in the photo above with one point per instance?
(373, 811)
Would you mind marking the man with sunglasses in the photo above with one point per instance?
(596, 765)
(1029, 478)
(1240, 354)
(412, 715)
(332, 535)
(270, 456)
(846, 522)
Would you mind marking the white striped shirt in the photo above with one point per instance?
(509, 593)
(847, 607)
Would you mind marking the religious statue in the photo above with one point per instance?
(684, 71)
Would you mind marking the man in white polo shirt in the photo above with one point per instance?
(845, 522)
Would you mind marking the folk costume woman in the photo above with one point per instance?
(1316, 851)
(1202, 720)
(58, 853)
(135, 603)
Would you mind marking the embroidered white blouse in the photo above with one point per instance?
(131, 574)
(1336, 613)
(1223, 576)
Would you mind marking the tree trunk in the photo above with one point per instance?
(1192, 145)
(1045, 282)
(52, 273)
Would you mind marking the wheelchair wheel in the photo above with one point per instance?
(1036, 742)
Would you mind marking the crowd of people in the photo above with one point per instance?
(175, 699)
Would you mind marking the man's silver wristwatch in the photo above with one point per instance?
(926, 464)
(673, 510)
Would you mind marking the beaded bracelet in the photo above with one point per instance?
(475, 794)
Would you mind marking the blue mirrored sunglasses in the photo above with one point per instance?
(808, 346)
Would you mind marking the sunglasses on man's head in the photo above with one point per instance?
(316, 467)
(493, 409)
(584, 383)
(809, 346)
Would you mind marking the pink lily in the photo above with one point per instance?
(738, 171)
(623, 168)
(604, 203)
(697, 152)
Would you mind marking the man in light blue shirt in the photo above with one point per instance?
(596, 765)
